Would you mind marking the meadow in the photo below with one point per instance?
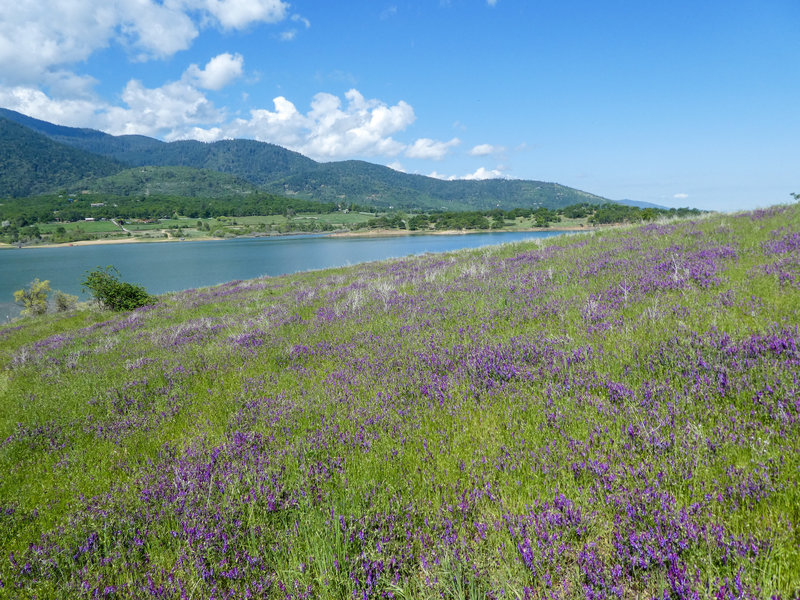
(613, 414)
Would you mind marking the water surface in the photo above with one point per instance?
(171, 266)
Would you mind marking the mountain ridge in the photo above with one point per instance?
(277, 170)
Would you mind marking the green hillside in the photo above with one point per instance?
(32, 163)
(281, 171)
(613, 415)
(376, 185)
(171, 181)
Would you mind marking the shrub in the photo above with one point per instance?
(65, 302)
(105, 286)
(34, 298)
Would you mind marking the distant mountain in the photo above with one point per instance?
(639, 204)
(281, 171)
(32, 163)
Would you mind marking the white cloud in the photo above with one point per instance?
(175, 108)
(288, 36)
(283, 126)
(41, 37)
(238, 14)
(483, 173)
(171, 111)
(301, 19)
(152, 30)
(332, 129)
(329, 130)
(35, 103)
(218, 72)
(430, 149)
(480, 173)
(486, 149)
(680, 196)
(396, 166)
(491, 2)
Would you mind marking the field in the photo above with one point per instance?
(613, 414)
(85, 226)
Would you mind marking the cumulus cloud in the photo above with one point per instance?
(680, 196)
(480, 173)
(31, 101)
(175, 108)
(330, 130)
(40, 37)
(431, 149)
(238, 14)
(396, 166)
(218, 72)
(486, 149)
(172, 111)
(484, 173)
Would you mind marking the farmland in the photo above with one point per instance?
(614, 414)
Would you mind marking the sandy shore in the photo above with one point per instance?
(370, 233)
(102, 242)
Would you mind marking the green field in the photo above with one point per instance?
(87, 226)
(608, 415)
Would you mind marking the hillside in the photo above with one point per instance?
(281, 171)
(172, 181)
(32, 163)
(381, 186)
(613, 415)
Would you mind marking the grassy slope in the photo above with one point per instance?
(607, 415)
(175, 181)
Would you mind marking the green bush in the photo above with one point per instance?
(34, 298)
(105, 286)
(65, 302)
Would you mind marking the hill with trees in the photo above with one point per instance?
(171, 181)
(268, 167)
(32, 163)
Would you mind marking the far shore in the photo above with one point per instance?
(371, 233)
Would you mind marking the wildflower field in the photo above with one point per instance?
(607, 415)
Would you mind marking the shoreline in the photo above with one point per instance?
(372, 233)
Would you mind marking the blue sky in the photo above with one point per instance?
(679, 103)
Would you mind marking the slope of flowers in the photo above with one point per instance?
(599, 416)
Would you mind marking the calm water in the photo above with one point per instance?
(166, 267)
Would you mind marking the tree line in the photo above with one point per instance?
(497, 218)
(23, 212)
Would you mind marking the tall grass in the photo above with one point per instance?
(610, 415)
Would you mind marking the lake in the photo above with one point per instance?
(172, 266)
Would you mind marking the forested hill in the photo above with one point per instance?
(32, 163)
(168, 181)
(267, 166)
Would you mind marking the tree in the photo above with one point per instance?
(34, 298)
(795, 196)
(105, 286)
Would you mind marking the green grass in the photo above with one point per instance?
(87, 226)
(409, 426)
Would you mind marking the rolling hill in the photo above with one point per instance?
(32, 163)
(87, 154)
